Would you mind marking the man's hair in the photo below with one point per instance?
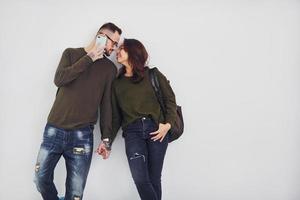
(110, 26)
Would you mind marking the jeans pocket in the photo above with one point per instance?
(49, 136)
(82, 142)
(84, 135)
(50, 132)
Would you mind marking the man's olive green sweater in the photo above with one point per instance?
(131, 101)
(84, 86)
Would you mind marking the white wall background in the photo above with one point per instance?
(234, 66)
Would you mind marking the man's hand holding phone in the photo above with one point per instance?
(98, 49)
(96, 53)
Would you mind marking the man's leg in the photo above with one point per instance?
(78, 156)
(48, 157)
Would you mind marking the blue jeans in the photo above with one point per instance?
(145, 157)
(76, 147)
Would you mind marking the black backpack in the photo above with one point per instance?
(176, 131)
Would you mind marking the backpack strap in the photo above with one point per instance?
(156, 86)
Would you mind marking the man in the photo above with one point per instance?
(83, 78)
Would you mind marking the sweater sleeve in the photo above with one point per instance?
(168, 98)
(67, 71)
(116, 114)
(106, 107)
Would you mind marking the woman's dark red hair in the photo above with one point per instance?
(137, 58)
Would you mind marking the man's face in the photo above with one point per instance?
(112, 40)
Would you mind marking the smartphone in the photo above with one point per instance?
(101, 40)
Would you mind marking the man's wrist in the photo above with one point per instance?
(107, 143)
(92, 55)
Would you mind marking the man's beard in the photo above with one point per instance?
(106, 53)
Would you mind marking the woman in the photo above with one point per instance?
(137, 110)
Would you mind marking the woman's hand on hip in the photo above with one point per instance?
(161, 133)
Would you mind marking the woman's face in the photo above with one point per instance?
(122, 55)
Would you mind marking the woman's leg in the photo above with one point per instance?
(156, 155)
(137, 155)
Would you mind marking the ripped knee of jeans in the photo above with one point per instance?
(76, 198)
(137, 156)
(37, 167)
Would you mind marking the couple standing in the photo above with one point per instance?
(88, 80)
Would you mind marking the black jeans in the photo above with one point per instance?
(145, 157)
